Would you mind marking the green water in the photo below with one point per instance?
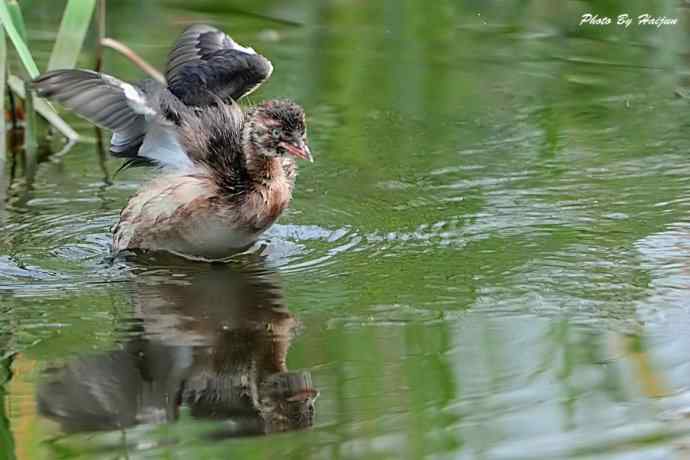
(490, 257)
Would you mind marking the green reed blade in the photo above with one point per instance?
(14, 31)
(17, 17)
(3, 85)
(70, 37)
(30, 131)
(44, 109)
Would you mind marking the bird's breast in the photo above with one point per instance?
(187, 215)
(182, 214)
(267, 203)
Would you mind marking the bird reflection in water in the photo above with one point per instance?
(214, 341)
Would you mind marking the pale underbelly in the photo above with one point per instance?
(212, 241)
(187, 219)
(207, 239)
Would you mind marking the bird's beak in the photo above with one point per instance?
(300, 151)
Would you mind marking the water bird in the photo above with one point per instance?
(226, 174)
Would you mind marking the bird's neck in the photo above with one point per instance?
(263, 169)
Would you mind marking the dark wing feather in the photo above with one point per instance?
(104, 101)
(214, 138)
(206, 62)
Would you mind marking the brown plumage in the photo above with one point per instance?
(226, 175)
(239, 184)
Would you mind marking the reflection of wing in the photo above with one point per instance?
(206, 61)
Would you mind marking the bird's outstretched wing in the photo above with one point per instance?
(103, 100)
(130, 111)
(206, 63)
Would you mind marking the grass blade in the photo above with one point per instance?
(3, 85)
(44, 109)
(30, 133)
(17, 40)
(70, 38)
(17, 17)
(100, 33)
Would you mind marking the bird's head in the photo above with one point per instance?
(276, 129)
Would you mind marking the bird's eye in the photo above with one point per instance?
(275, 132)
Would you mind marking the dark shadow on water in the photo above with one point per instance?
(207, 340)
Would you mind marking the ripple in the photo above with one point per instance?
(10, 271)
(633, 439)
(296, 248)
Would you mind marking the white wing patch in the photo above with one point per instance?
(161, 145)
(160, 142)
(136, 99)
(239, 47)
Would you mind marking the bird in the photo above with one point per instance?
(225, 173)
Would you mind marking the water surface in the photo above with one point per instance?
(488, 259)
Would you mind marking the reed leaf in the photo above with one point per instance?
(44, 109)
(70, 38)
(30, 132)
(3, 85)
(14, 31)
(17, 17)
